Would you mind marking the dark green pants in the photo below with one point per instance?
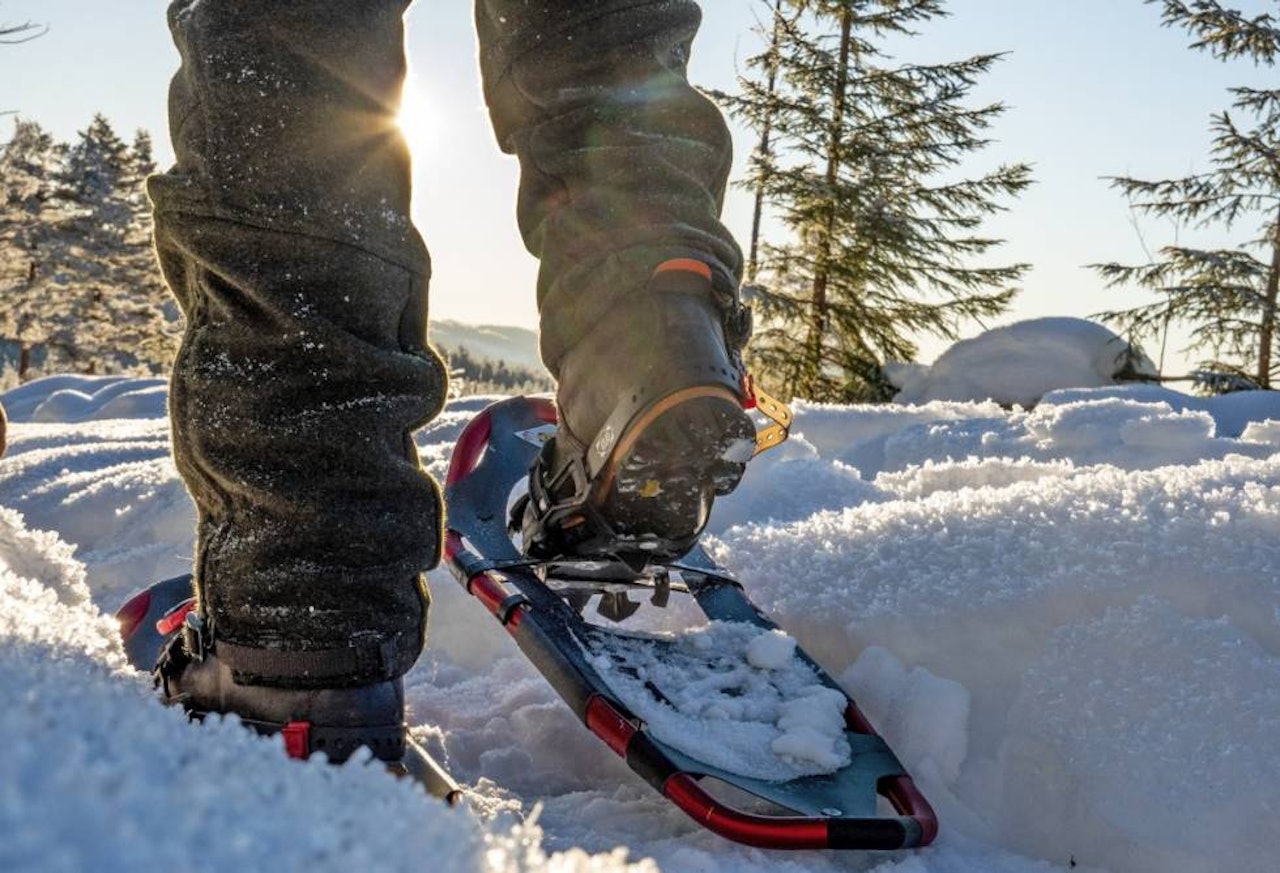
(284, 232)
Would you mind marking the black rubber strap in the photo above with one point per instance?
(350, 666)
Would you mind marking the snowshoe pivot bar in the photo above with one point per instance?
(837, 811)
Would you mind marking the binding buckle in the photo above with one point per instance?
(770, 407)
(195, 636)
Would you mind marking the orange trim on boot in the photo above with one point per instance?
(685, 265)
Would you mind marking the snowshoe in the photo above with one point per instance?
(156, 626)
(867, 802)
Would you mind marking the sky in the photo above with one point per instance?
(1094, 88)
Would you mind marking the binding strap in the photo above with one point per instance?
(319, 668)
(351, 665)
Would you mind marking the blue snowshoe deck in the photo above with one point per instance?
(540, 604)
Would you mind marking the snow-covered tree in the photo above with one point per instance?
(861, 160)
(80, 278)
(120, 314)
(29, 241)
(1227, 296)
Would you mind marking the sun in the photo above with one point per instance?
(417, 119)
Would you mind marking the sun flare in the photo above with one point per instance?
(417, 121)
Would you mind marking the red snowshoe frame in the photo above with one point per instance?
(836, 811)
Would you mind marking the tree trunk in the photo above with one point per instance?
(822, 268)
(1267, 325)
(766, 141)
(24, 360)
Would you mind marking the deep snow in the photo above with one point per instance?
(1066, 621)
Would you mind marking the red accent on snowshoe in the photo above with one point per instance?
(171, 621)
(899, 790)
(749, 401)
(855, 721)
(489, 592)
(609, 725)
(297, 739)
(133, 612)
(753, 830)
(908, 800)
(469, 449)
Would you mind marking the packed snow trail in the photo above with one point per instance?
(1066, 621)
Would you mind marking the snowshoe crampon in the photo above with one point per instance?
(152, 617)
(869, 803)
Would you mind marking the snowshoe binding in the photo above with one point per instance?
(645, 446)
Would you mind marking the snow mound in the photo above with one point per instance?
(98, 776)
(66, 399)
(1022, 362)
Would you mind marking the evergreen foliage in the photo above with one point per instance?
(861, 158)
(77, 275)
(1227, 296)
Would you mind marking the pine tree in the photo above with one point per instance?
(1227, 296)
(79, 276)
(862, 164)
(30, 246)
(122, 318)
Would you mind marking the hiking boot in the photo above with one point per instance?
(652, 429)
(335, 721)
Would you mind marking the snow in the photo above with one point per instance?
(771, 651)
(1066, 620)
(732, 696)
(1020, 363)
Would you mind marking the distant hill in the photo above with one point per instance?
(517, 346)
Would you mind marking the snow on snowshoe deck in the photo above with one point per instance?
(811, 763)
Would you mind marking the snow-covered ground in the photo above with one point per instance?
(1066, 621)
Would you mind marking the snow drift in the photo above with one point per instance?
(1022, 362)
(1067, 622)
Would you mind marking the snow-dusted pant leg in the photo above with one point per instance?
(284, 232)
(623, 164)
